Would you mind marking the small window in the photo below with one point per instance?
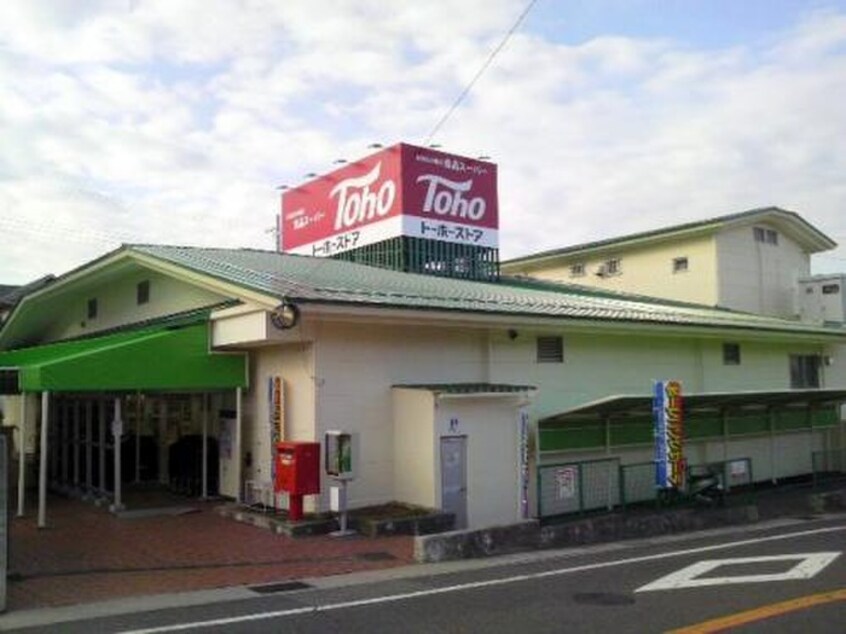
(766, 236)
(804, 371)
(830, 289)
(680, 265)
(612, 267)
(577, 270)
(550, 350)
(142, 292)
(92, 308)
(731, 354)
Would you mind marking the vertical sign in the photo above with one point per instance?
(669, 435)
(523, 447)
(276, 418)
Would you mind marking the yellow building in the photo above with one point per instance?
(750, 261)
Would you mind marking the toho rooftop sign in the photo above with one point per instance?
(402, 190)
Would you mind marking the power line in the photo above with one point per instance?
(480, 72)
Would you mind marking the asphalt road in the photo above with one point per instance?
(785, 578)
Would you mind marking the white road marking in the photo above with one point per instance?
(246, 618)
(807, 566)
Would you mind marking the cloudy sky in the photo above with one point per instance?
(173, 121)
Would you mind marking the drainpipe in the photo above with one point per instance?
(42, 466)
(22, 457)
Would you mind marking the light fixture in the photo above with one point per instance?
(512, 334)
(285, 316)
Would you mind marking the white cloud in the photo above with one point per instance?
(161, 121)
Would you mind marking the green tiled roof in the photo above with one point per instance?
(814, 235)
(306, 279)
(469, 388)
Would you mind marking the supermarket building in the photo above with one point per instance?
(458, 391)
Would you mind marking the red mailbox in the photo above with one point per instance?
(297, 473)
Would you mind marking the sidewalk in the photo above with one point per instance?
(87, 554)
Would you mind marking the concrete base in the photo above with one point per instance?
(530, 535)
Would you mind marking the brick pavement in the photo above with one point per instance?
(87, 554)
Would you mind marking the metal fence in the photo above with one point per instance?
(576, 487)
(637, 483)
(829, 466)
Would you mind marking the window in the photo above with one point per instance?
(830, 289)
(612, 267)
(142, 292)
(731, 354)
(92, 308)
(680, 265)
(804, 371)
(577, 270)
(550, 350)
(766, 236)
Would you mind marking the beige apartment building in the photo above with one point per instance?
(751, 261)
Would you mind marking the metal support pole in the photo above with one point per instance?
(42, 467)
(22, 457)
(64, 408)
(137, 437)
(164, 454)
(77, 438)
(101, 448)
(237, 452)
(117, 432)
(206, 407)
(89, 447)
(54, 446)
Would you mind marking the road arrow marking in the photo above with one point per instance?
(807, 565)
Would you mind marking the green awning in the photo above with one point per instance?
(169, 358)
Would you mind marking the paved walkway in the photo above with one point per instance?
(87, 554)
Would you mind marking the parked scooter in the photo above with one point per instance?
(706, 487)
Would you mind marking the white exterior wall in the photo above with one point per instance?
(293, 362)
(415, 448)
(117, 306)
(816, 307)
(759, 277)
(344, 381)
(490, 426)
(356, 367)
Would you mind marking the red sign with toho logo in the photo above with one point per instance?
(401, 190)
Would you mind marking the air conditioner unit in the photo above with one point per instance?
(602, 270)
